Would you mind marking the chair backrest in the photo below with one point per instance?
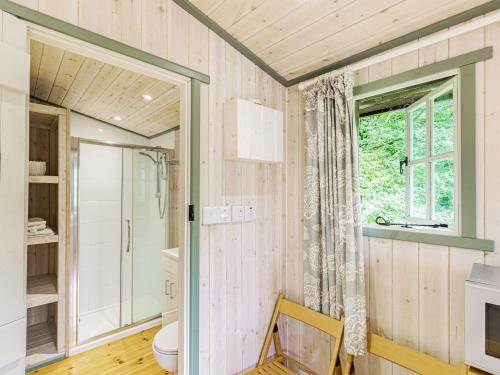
(410, 358)
(313, 318)
(310, 317)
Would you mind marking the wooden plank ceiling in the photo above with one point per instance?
(295, 37)
(105, 92)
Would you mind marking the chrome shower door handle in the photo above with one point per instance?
(128, 231)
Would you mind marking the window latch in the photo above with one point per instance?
(382, 221)
(402, 163)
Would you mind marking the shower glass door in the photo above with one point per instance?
(122, 229)
(150, 212)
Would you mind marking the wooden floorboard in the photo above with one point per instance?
(131, 355)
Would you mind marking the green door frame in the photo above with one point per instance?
(194, 233)
(91, 37)
(197, 78)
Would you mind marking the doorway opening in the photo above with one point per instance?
(127, 264)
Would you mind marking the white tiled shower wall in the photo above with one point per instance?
(100, 227)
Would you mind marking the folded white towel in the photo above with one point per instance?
(44, 232)
(31, 225)
(35, 228)
(34, 221)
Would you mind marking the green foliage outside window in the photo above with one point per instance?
(382, 144)
(381, 147)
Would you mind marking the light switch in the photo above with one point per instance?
(238, 214)
(216, 215)
(225, 214)
(250, 213)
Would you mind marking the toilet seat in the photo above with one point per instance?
(166, 340)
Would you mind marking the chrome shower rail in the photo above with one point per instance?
(117, 144)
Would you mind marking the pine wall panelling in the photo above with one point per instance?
(248, 254)
(101, 91)
(296, 37)
(409, 282)
(241, 264)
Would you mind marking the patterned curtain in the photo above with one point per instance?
(333, 247)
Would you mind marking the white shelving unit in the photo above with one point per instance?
(46, 254)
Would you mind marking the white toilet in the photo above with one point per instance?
(166, 347)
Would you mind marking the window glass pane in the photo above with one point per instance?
(444, 191)
(443, 133)
(419, 190)
(381, 147)
(419, 140)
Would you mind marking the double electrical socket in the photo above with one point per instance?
(227, 214)
(243, 213)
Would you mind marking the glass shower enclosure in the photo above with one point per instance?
(121, 208)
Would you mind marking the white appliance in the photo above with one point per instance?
(482, 318)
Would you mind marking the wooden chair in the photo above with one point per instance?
(408, 358)
(276, 365)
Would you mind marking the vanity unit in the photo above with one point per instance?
(170, 272)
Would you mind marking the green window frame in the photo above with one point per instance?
(465, 66)
(428, 156)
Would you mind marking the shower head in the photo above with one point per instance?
(149, 156)
(160, 170)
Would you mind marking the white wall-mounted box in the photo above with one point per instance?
(252, 132)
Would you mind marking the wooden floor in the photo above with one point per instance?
(131, 355)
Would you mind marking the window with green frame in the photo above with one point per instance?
(382, 110)
(409, 155)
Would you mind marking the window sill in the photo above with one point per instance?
(430, 238)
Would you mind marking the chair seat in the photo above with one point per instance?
(274, 367)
